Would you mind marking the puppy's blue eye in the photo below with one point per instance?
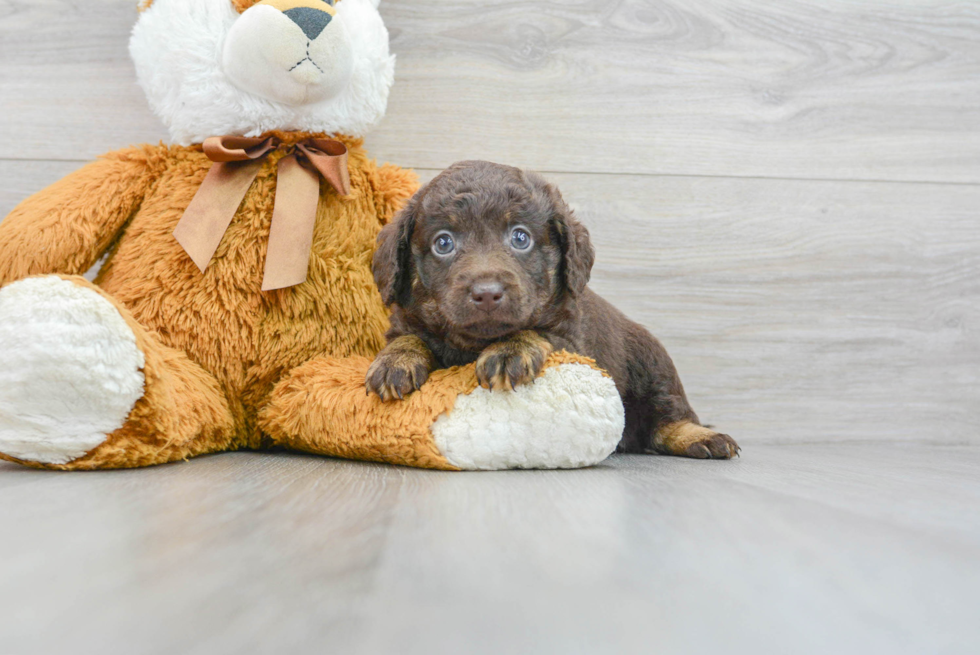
(520, 239)
(443, 244)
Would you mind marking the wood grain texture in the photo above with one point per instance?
(801, 549)
(69, 87)
(842, 89)
(24, 178)
(866, 89)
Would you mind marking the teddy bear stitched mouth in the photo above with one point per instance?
(304, 77)
(305, 59)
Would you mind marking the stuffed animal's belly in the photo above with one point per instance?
(245, 337)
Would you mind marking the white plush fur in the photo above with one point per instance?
(178, 47)
(69, 370)
(268, 54)
(572, 416)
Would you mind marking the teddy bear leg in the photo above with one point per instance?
(571, 416)
(323, 407)
(84, 386)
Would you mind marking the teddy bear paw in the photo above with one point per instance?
(571, 416)
(70, 370)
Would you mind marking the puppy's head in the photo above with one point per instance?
(482, 251)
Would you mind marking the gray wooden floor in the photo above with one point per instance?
(788, 194)
(854, 548)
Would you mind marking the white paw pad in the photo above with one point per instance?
(70, 370)
(572, 416)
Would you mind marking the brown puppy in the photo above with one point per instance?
(486, 263)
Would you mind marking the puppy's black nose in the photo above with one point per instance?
(311, 21)
(487, 295)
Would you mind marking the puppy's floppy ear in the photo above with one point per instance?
(577, 253)
(393, 258)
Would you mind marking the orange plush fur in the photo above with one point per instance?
(215, 345)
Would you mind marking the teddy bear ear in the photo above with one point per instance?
(241, 5)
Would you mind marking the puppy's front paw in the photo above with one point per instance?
(515, 361)
(401, 368)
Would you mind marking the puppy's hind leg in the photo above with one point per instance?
(688, 439)
(667, 426)
(659, 417)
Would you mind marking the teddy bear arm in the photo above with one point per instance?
(322, 407)
(572, 416)
(66, 227)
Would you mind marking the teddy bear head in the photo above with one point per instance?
(245, 67)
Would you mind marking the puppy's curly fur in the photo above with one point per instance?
(488, 264)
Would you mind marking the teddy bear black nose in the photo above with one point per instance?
(311, 21)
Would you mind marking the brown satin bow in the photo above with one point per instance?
(237, 161)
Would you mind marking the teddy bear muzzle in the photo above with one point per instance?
(295, 52)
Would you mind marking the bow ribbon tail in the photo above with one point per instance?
(329, 157)
(293, 220)
(210, 212)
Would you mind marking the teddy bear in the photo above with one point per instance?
(235, 306)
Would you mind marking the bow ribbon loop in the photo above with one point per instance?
(238, 148)
(237, 161)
